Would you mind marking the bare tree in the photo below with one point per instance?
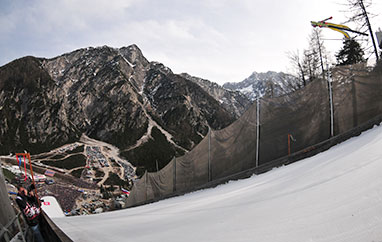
(313, 59)
(297, 65)
(310, 65)
(317, 41)
(360, 15)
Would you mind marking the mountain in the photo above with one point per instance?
(270, 84)
(233, 101)
(111, 94)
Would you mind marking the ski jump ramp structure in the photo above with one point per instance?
(333, 196)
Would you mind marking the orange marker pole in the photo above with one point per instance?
(35, 188)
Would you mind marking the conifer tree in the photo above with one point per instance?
(351, 53)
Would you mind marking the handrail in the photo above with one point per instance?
(48, 228)
(4, 231)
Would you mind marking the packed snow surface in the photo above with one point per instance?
(333, 196)
(51, 207)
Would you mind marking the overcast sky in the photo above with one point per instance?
(219, 40)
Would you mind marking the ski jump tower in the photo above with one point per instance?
(6, 210)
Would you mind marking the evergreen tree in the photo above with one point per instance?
(350, 53)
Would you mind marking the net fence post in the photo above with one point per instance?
(331, 103)
(209, 154)
(257, 130)
(174, 188)
(146, 185)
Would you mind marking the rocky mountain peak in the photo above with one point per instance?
(133, 55)
(114, 95)
(270, 84)
(233, 101)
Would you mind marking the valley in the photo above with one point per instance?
(87, 175)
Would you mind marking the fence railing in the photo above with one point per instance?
(12, 229)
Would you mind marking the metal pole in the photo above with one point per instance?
(4, 232)
(34, 184)
(20, 229)
(146, 185)
(175, 174)
(209, 154)
(6, 235)
(288, 144)
(257, 130)
(331, 103)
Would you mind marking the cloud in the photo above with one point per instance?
(218, 40)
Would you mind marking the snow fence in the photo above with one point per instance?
(304, 114)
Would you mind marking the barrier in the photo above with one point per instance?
(9, 230)
(231, 153)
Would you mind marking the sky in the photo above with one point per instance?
(218, 40)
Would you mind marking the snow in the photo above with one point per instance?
(246, 90)
(128, 62)
(334, 196)
(51, 207)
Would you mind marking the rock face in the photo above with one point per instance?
(270, 84)
(113, 95)
(30, 116)
(233, 101)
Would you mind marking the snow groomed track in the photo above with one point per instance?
(333, 196)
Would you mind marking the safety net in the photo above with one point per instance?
(286, 124)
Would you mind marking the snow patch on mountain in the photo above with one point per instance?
(270, 84)
(233, 101)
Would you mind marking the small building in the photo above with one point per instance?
(39, 178)
(49, 173)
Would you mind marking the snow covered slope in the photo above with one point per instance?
(333, 196)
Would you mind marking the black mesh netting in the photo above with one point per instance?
(304, 114)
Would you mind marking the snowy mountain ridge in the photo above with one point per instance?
(233, 101)
(270, 84)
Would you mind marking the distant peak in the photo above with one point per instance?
(132, 47)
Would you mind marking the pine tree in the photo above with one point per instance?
(350, 53)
